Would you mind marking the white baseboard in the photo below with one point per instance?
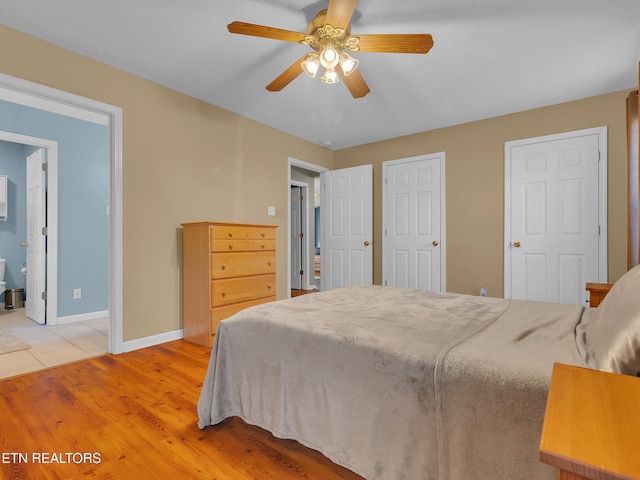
(151, 341)
(82, 317)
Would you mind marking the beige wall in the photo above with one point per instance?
(475, 183)
(183, 160)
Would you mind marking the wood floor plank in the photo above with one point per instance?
(134, 416)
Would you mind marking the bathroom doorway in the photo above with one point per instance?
(20, 98)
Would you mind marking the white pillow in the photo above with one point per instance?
(613, 332)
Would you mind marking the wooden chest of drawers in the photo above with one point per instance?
(226, 267)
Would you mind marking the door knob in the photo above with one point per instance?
(516, 244)
(24, 244)
(366, 243)
(434, 243)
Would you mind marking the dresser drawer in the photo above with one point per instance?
(229, 245)
(225, 265)
(229, 232)
(262, 245)
(261, 233)
(233, 290)
(220, 313)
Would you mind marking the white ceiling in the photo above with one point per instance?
(490, 57)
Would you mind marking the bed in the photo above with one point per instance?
(406, 384)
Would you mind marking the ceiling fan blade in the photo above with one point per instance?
(355, 83)
(396, 43)
(339, 13)
(265, 32)
(286, 77)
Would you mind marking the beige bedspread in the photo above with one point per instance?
(395, 383)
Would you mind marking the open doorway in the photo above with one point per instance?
(304, 249)
(32, 337)
(18, 94)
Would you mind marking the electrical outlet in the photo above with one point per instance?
(77, 293)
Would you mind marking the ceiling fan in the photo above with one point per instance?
(329, 35)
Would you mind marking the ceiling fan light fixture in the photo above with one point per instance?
(311, 64)
(348, 63)
(330, 76)
(330, 45)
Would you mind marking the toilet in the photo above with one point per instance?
(3, 284)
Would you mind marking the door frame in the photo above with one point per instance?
(443, 209)
(23, 92)
(294, 162)
(304, 252)
(601, 132)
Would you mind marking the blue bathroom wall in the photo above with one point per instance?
(14, 230)
(83, 197)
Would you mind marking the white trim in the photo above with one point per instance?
(293, 162)
(83, 317)
(151, 341)
(443, 210)
(603, 261)
(51, 147)
(57, 101)
(19, 91)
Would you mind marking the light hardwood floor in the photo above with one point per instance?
(135, 414)
(296, 292)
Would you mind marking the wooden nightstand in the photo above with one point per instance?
(592, 425)
(597, 292)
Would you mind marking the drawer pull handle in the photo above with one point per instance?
(268, 264)
(223, 267)
(262, 235)
(223, 294)
(262, 247)
(230, 234)
(268, 287)
(230, 247)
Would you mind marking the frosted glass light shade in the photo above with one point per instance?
(348, 63)
(329, 57)
(330, 76)
(311, 64)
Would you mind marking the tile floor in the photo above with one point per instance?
(50, 345)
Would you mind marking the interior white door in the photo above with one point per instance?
(296, 237)
(347, 227)
(553, 242)
(413, 243)
(36, 240)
